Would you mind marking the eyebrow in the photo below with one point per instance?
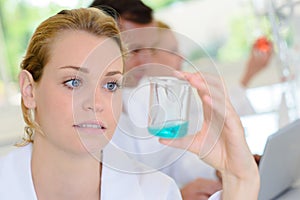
(85, 70)
(112, 73)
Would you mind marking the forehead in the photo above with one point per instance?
(167, 39)
(80, 48)
(138, 35)
(129, 25)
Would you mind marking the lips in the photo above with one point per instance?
(90, 125)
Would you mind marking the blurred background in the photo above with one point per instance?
(226, 30)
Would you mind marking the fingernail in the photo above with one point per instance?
(179, 74)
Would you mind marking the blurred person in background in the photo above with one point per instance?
(144, 53)
(133, 15)
(158, 49)
(260, 56)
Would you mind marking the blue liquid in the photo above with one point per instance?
(170, 129)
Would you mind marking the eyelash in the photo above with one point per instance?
(105, 86)
(116, 84)
(72, 80)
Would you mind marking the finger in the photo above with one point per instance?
(202, 197)
(214, 116)
(214, 106)
(190, 142)
(200, 143)
(207, 186)
(195, 196)
(201, 77)
(206, 84)
(195, 80)
(211, 187)
(210, 85)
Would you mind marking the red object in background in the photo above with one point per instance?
(263, 44)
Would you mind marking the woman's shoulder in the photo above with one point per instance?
(139, 185)
(15, 158)
(134, 179)
(162, 184)
(15, 174)
(15, 152)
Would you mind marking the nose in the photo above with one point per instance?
(94, 102)
(145, 56)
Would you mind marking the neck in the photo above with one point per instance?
(58, 174)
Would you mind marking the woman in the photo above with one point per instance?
(71, 101)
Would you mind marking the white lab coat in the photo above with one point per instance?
(16, 181)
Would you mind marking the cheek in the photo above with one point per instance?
(116, 107)
(172, 61)
(131, 63)
(51, 105)
(113, 109)
(178, 62)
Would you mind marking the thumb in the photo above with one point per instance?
(188, 142)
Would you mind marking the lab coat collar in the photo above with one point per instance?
(120, 175)
(16, 176)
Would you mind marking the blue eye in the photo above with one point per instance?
(111, 86)
(73, 83)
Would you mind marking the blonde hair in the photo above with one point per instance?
(161, 24)
(91, 20)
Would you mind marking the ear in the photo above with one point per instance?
(26, 83)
